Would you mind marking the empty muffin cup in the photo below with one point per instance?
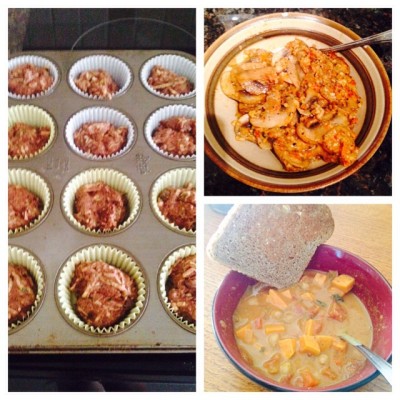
(177, 64)
(21, 257)
(113, 179)
(177, 178)
(163, 275)
(37, 185)
(28, 148)
(163, 114)
(111, 147)
(116, 257)
(113, 66)
(18, 86)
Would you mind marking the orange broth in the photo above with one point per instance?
(292, 334)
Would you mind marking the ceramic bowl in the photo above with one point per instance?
(371, 288)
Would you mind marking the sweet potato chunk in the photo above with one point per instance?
(273, 364)
(329, 373)
(336, 311)
(245, 333)
(319, 279)
(308, 344)
(276, 299)
(324, 341)
(287, 293)
(339, 344)
(309, 380)
(308, 296)
(344, 282)
(312, 327)
(274, 328)
(288, 347)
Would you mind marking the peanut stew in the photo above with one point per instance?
(292, 334)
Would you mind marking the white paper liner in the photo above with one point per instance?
(177, 64)
(99, 114)
(22, 257)
(119, 71)
(35, 184)
(112, 256)
(176, 178)
(33, 116)
(162, 114)
(163, 274)
(111, 177)
(39, 61)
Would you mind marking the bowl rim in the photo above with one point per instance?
(276, 385)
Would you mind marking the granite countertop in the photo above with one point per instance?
(374, 178)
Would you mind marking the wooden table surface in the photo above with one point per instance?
(365, 230)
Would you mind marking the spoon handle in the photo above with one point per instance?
(381, 365)
(378, 38)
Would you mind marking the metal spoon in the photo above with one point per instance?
(380, 364)
(378, 38)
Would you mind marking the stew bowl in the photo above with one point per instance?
(371, 288)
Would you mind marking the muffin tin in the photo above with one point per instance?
(146, 240)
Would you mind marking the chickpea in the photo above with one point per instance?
(323, 359)
(277, 314)
(304, 285)
(288, 317)
(273, 339)
(252, 301)
(286, 368)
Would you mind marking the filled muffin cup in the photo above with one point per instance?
(38, 61)
(117, 68)
(37, 185)
(99, 114)
(163, 274)
(174, 63)
(24, 258)
(175, 178)
(111, 177)
(162, 114)
(112, 255)
(34, 116)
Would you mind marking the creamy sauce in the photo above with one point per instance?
(311, 315)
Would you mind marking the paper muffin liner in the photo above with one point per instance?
(177, 64)
(22, 257)
(37, 185)
(111, 177)
(162, 114)
(38, 61)
(99, 114)
(163, 274)
(176, 178)
(113, 256)
(118, 69)
(34, 116)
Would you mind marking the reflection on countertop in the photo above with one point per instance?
(374, 178)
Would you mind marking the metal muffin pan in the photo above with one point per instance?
(147, 239)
